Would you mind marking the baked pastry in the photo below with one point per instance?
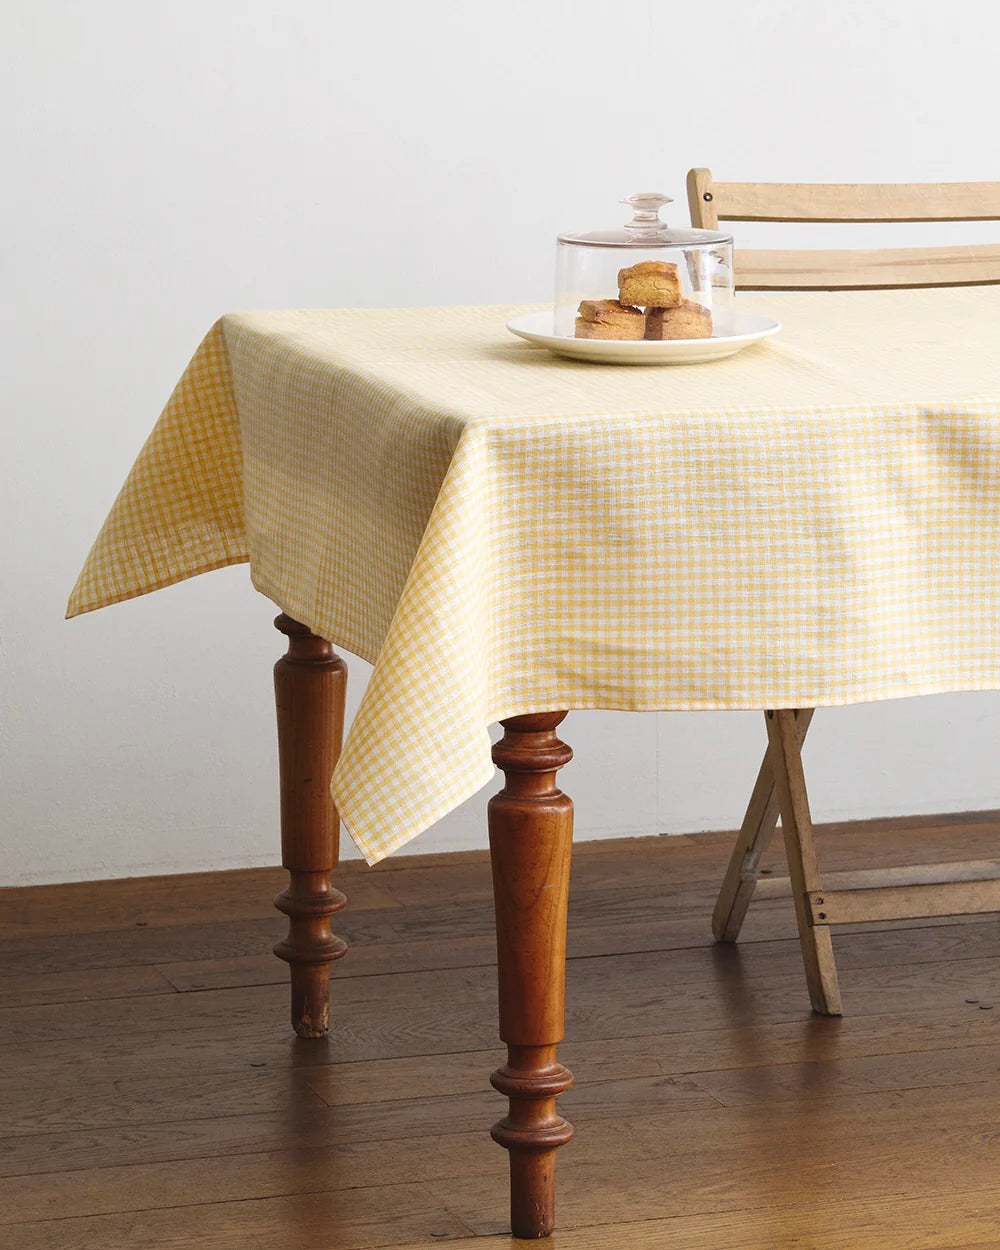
(687, 321)
(651, 283)
(609, 319)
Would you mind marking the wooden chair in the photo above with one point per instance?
(780, 790)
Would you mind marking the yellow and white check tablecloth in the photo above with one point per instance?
(814, 521)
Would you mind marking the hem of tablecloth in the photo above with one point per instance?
(745, 705)
(395, 844)
(390, 846)
(106, 601)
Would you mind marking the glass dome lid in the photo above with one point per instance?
(646, 280)
(646, 230)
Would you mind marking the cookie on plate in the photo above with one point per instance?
(651, 284)
(687, 321)
(609, 319)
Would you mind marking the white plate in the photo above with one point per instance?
(747, 328)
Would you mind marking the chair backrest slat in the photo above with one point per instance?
(891, 267)
(714, 202)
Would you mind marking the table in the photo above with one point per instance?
(507, 536)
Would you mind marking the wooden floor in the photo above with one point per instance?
(152, 1095)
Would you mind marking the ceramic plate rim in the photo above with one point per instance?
(516, 325)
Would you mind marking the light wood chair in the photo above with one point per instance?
(780, 790)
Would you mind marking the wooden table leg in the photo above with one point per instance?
(531, 833)
(309, 686)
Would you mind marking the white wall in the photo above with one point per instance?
(166, 163)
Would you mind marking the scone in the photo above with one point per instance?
(651, 283)
(608, 319)
(687, 321)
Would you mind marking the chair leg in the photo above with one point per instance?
(744, 864)
(793, 804)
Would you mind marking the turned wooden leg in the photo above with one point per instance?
(744, 864)
(309, 686)
(803, 867)
(531, 834)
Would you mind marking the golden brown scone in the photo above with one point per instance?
(603, 330)
(687, 321)
(608, 319)
(651, 283)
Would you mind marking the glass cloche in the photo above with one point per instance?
(646, 280)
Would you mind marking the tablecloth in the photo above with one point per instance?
(814, 521)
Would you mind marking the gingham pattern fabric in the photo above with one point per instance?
(180, 511)
(814, 521)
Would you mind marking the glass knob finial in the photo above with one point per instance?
(646, 207)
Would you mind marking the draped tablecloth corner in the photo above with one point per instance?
(180, 512)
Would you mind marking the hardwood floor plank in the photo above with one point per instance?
(675, 1114)
(596, 1193)
(675, 919)
(121, 1075)
(446, 922)
(76, 987)
(153, 1096)
(95, 951)
(730, 1173)
(871, 945)
(126, 1130)
(742, 1154)
(813, 1080)
(235, 1178)
(156, 1097)
(377, 1026)
(902, 1223)
(178, 899)
(759, 993)
(869, 948)
(345, 1219)
(695, 1054)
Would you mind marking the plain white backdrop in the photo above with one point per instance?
(164, 164)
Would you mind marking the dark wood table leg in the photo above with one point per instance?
(309, 686)
(531, 833)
